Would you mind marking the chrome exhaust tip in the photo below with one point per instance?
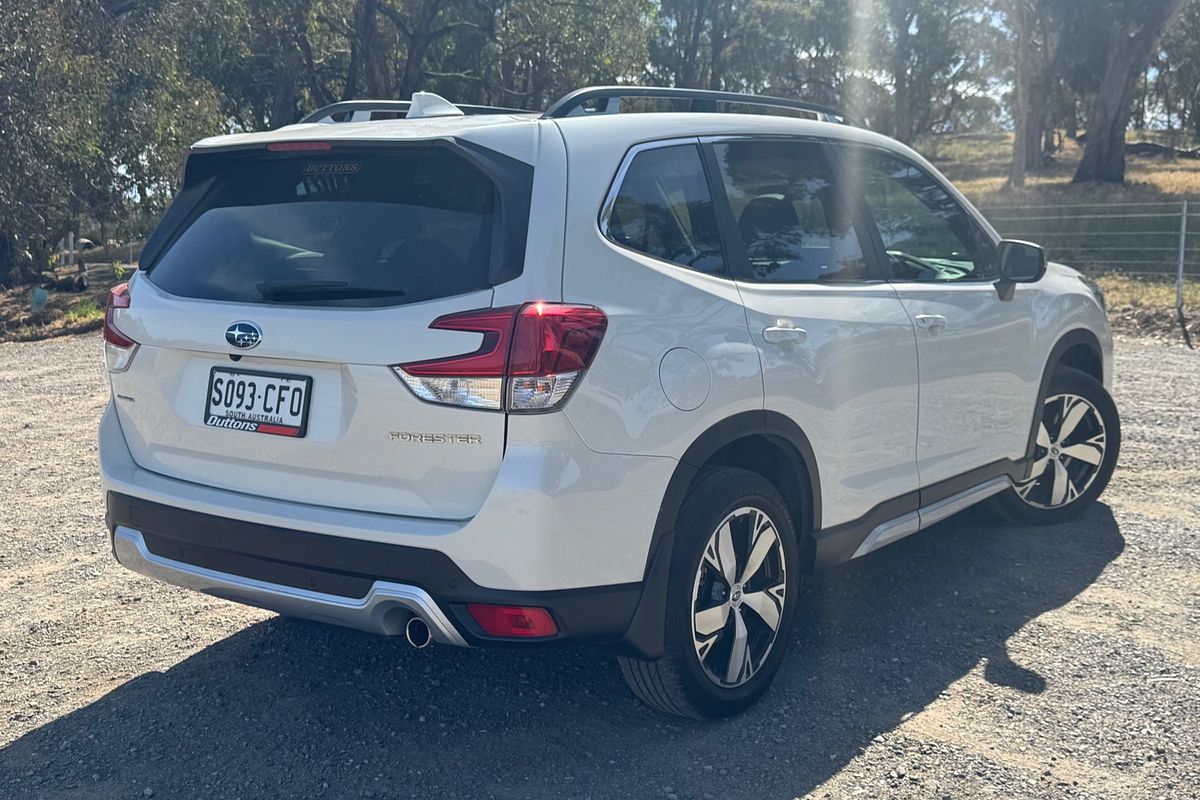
(417, 633)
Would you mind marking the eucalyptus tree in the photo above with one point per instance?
(1136, 28)
(925, 53)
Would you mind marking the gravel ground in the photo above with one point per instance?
(972, 660)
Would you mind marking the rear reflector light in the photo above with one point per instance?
(118, 348)
(530, 358)
(513, 620)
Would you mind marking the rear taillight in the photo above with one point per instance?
(530, 358)
(118, 348)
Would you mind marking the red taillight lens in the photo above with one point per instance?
(118, 348)
(530, 358)
(513, 620)
(552, 339)
(496, 325)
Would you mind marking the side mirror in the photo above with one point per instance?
(1020, 262)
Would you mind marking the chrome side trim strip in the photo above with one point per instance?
(386, 609)
(896, 529)
(963, 500)
(889, 532)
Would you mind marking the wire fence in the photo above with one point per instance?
(1149, 239)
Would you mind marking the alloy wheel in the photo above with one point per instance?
(1070, 450)
(738, 597)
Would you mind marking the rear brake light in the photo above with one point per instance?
(513, 620)
(118, 348)
(530, 358)
(298, 147)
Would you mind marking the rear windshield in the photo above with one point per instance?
(359, 228)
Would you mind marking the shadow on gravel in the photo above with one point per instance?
(293, 709)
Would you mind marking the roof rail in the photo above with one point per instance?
(606, 100)
(366, 110)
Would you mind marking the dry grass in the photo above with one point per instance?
(1145, 292)
(978, 164)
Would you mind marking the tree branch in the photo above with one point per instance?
(397, 19)
(446, 30)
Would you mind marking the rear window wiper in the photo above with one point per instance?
(281, 291)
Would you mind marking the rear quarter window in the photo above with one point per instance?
(663, 208)
(370, 227)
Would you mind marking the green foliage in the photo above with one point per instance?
(83, 311)
(100, 99)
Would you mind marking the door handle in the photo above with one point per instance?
(931, 322)
(784, 332)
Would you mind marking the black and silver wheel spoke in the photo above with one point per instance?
(738, 597)
(1070, 446)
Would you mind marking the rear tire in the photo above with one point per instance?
(1078, 443)
(731, 599)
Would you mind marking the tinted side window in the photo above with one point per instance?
(927, 234)
(793, 220)
(664, 209)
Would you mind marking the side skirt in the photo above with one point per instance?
(903, 516)
(897, 529)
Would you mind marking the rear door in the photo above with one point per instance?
(284, 286)
(973, 340)
(838, 351)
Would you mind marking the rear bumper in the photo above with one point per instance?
(360, 584)
(548, 523)
(385, 609)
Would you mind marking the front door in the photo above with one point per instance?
(974, 340)
(837, 348)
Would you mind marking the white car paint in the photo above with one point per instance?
(570, 499)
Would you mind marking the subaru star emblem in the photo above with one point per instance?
(243, 334)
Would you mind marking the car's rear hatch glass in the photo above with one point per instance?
(366, 227)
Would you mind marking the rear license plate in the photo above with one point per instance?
(257, 402)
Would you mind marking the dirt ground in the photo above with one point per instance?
(972, 660)
(67, 312)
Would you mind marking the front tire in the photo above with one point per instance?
(1077, 444)
(731, 599)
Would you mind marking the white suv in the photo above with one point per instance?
(585, 375)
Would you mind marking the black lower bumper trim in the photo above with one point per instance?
(347, 567)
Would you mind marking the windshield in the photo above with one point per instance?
(359, 228)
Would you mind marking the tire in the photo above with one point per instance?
(1065, 482)
(701, 674)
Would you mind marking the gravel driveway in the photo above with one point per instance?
(972, 660)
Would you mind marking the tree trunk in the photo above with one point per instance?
(284, 103)
(413, 76)
(368, 59)
(687, 74)
(320, 92)
(1022, 95)
(1108, 118)
(902, 125)
(1196, 114)
(718, 41)
(1034, 127)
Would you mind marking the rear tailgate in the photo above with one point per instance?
(303, 277)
